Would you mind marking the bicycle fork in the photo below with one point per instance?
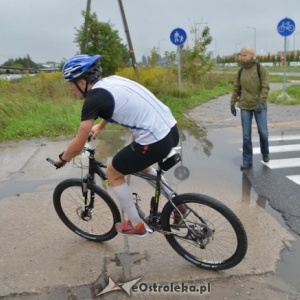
(88, 206)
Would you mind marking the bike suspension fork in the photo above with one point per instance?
(87, 204)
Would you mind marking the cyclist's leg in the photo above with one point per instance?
(172, 139)
(135, 158)
(123, 193)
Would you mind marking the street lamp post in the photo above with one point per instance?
(254, 28)
(195, 29)
(215, 51)
(294, 47)
(159, 57)
(236, 47)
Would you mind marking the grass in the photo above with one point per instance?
(43, 105)
(291, 96)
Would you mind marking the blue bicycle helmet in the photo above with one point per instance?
(84, 66)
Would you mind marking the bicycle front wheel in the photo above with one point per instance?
(94, 221)
(209, 235)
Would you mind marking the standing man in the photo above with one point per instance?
(250, 94)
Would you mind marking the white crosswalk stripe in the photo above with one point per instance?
(287, 148)
(283, 163)
(278, 149)
(278, 138)
(295, 178)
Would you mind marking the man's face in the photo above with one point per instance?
(74, 89)
(246, 56)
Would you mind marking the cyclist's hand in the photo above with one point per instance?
(233, 109)
(60, 161)
(96, 129)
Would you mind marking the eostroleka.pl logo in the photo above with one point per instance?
(112, 286)
(155, 288)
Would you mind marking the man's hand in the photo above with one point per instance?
(60, 161)
(259, 108)
(96, 129)
(233, 109)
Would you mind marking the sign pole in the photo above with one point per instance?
(284, 68)
(179, 68)
(285, 28)
(178, 37)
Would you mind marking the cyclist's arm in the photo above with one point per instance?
(98, 128)
(78, 142)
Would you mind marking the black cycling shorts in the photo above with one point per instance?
(135, 157)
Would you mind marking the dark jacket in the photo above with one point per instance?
(249, 89)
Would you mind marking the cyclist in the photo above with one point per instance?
(125, 102)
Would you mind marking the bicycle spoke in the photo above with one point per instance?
(209, 235)
(72, 204)
(96, 220)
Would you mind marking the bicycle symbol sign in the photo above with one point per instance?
(286, 27)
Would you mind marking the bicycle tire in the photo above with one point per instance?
(68, 204)
(216, 215)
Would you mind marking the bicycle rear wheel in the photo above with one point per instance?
(216, 238)
(95, 222)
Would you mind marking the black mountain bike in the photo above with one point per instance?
(199, 228)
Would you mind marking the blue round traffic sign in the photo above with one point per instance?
(286, 27)
(178, 36)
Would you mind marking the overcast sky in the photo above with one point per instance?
(45, 29)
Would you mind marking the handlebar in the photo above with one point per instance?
(54, 163)
(58, 166)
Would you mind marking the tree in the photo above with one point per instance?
(170, 58)
(197, 61)
(154, 56)
(96, 37)
(22, 62)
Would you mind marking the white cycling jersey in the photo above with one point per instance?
(136, 108)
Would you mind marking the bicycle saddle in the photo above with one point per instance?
(171, 160)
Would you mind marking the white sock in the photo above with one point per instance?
(153, 172)
(124, 195)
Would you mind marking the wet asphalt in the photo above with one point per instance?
(41, 259)
(282, 119)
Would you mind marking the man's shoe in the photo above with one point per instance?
(127, 229)
(246, 167)
(266, 158)
(177, 218)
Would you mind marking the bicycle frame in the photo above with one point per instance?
(96, 167)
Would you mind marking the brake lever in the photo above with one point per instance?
(90, 137)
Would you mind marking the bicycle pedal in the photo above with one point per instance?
(136, 197)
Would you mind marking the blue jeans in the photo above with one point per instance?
(262, 126)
